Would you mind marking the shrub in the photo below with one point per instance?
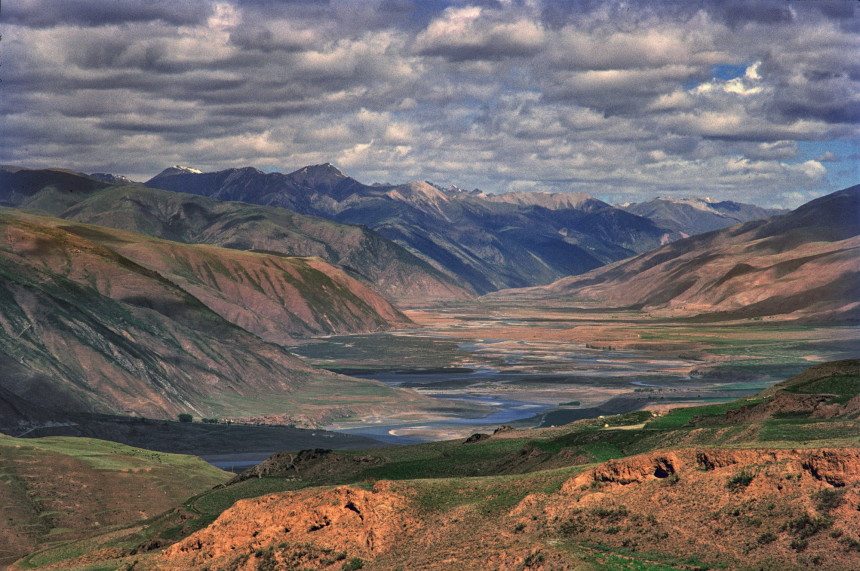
(805, 527)
(185, 417)
(740, 481)
(612, 515)
(353, 564)
(572, 527)
(826, 500)
(766, 538)
(209, 420)
(534, 559)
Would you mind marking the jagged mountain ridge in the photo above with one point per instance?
(486, 241)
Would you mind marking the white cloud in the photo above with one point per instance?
(475, 33)
(355, 154)
(224, 17)
(811, 168)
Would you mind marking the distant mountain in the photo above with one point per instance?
(62, 188)
(804, 265)
(550, 200)
(486, 241)
(111, 178)
(691, 216)
(100, 320)
(390, 268)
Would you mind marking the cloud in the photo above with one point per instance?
(474, 33)
(620, 100)
(47, 13)
(746, 85)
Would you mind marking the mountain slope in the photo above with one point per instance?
(276, 297)
(696, 216)
(488, 242)
(805, 264)
(47, 190)
(56, 489)
(391, 269)
(98, 320)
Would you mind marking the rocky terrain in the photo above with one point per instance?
(802, 265)
(747, 507)
(307, 529)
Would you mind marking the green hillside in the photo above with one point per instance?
(487, 481)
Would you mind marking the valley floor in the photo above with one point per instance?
(549, 365)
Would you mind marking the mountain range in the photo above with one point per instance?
(122, 298)
(484, 241)
(690, 216)
(802, 265)
(391, 269)
(415, 242)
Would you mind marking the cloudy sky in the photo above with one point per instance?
(753, 101)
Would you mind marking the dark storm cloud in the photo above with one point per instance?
(46, 13)
(739, 12)
(615, 98)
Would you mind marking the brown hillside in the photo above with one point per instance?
(308, 529)
(804, 265)
(744, 508)
(93, 319)
(57, 489)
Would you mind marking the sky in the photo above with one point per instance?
(751, 101)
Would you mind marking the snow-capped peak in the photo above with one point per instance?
(187, 169)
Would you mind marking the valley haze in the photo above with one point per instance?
(396, 284)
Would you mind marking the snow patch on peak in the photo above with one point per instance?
(187, 169)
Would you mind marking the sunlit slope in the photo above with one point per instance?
(772, 480)
(94, 319)
(803, 265)
(389, 268)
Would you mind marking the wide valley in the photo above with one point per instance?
(543, 366)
